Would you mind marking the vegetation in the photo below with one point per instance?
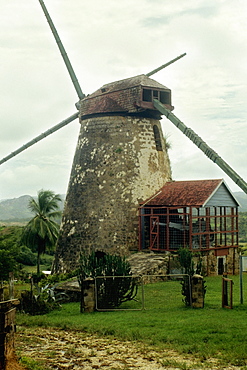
(186, 261)
(208, 333)
(41, 299)
(18, 258)
(111, 292)
(9, 249)
(7, 264)
(21, 258)
(31, 364)
(42, 230)
(242, 224)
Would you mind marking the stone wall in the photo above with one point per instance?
(149, 263)
(231, 261)
(116, 166)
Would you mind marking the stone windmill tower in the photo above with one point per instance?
(120, 160)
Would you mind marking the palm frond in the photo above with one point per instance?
(42, 231)
(33, 206)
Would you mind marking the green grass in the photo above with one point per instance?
(167, 322)
(33, 269)
(31, 364)
(46, 262)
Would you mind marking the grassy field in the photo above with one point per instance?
(167, 322)
(33, 269)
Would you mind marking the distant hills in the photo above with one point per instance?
(242, 199)
(16, 210)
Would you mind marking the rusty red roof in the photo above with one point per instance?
(123, 97)
(184, 193)
(127, 83)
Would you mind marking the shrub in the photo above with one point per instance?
(57, 278)
(111, 292)
(7, 264)
(46, 300)
(186, 261)
(26, 257)
(36, 304)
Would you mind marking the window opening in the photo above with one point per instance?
(221, 265)
(155, 94)
(157, 138)
(147, 95)
(164, 97)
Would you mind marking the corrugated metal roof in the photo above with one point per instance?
(185, 193)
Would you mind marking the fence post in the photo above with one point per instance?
(11, 285)
(197, 291)
(7, 331)
(225, 282)
(241, 278)
(89, 294)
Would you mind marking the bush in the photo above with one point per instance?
(26, 257)
(46, 260)
(111, 292)
(186, 261)
(46, 300)
(7, 264)
(37, 304)
(57, 278)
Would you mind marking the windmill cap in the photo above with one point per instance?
(129, 96)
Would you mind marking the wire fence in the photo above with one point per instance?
(134, 291)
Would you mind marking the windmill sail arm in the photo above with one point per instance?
(197, 140)
(40, 137)
(165, 65)
(63, 52)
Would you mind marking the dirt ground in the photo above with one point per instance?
(63, 349)
(13, 364)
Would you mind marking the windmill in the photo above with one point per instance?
(120, 160)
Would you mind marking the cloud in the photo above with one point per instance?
(107, 42)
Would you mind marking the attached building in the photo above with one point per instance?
(201, 215)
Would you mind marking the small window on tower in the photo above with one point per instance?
(157, 138)
(147, 95)
(155, 94)
(165, 97)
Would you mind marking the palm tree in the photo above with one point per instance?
(42, 230)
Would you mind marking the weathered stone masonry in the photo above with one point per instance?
(116, 166)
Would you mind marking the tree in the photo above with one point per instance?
(42, 230)
(7, 264)
(9, 249)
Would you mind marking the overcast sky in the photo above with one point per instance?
(111, 40)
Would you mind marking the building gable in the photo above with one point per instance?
(222, 197)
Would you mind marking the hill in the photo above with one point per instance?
(242, 199)
(16, 210)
